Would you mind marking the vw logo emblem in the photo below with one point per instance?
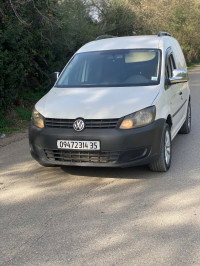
(79, 125)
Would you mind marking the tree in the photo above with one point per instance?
(29, 33)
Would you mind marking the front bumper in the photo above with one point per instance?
(119, 148)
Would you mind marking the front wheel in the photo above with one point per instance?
(163, 162)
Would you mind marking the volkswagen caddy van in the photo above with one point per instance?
(119, 102)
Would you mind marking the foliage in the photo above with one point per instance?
(193, 64)
(110, 22)
(26, 48)
(4, 122)
(39, 37)
(179, 17)
(23, 113)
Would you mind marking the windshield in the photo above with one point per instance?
(112, 68)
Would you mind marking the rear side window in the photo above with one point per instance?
(113, 68)
(170, 66)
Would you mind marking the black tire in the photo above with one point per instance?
(186, 127)
(163, 162)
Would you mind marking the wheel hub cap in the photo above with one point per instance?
(167, 148)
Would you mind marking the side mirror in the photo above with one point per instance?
(179, 76)
(54, 77)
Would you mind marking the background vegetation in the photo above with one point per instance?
(38, 37)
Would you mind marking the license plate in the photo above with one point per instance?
(78, 145)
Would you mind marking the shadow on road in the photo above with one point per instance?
(124, 173)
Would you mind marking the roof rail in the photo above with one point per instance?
(104, 37)
(163, 33)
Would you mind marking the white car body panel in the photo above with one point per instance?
(136, 42)
(95, 103)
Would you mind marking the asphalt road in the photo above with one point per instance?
(90, 216)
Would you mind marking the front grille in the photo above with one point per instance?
(89, 123)
(82, 156)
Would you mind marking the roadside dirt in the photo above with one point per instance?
(17, 123)
(13, 137)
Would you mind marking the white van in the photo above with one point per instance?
(118, 102)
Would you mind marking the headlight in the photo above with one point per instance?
(37, 119)
(139, 119)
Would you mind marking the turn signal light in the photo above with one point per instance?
(127, 124)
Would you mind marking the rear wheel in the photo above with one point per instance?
(163, 162)
(186, 127)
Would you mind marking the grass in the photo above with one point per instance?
(16, 120)
(191, 65)
(9, 130)
(23, 113)
(5, 125)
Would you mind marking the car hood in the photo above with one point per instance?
(95, 103)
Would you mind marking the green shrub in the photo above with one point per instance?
(23, 113)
